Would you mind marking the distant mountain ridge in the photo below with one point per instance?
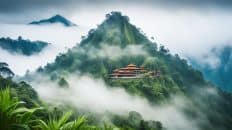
(54, 19)
(220, 75)
(22, 46)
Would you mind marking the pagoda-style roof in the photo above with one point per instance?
(131, 65)
(132, 71)
(130, 68)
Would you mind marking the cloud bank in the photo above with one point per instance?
(7, 6)
(115, 52)
(94, 95)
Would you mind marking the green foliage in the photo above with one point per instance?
(21, 90)
(121, 32)
(62, 82)
(135, 122)
(12, 114)
(154, 89)
(150, 125)
(134, 119)
(62, 123)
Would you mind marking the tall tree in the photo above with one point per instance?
(5, 71)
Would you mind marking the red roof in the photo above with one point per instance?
(130, 70)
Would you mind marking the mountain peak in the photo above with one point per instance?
(115, 30)
(116, 16)
(54, 19)
(58, 16)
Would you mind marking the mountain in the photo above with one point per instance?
(116, 43)
(21, 46)
(54, 19)
(221, 74)
(116, 32)
(164, 83)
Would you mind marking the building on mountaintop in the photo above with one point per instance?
(132, 71)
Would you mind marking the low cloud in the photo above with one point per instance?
(189, 33)
(115, 52)
(207, 60)
(216, 57)
(94, 95)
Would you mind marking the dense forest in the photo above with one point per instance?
(114, 44)
(21, 46)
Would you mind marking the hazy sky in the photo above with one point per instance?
(12, 6)
(23, 9)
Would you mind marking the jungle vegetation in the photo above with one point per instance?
(177, 78)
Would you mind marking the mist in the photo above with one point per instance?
(189, 32)
(114, 51)
(60, 37)
(94, 95)
(189, 28)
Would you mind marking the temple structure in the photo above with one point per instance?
(132, 71)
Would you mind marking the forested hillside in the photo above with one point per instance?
(103, 50)
(21, 109)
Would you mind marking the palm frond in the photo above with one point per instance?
(77, 124)
(12, 114)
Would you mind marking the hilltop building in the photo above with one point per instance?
(132, 71)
